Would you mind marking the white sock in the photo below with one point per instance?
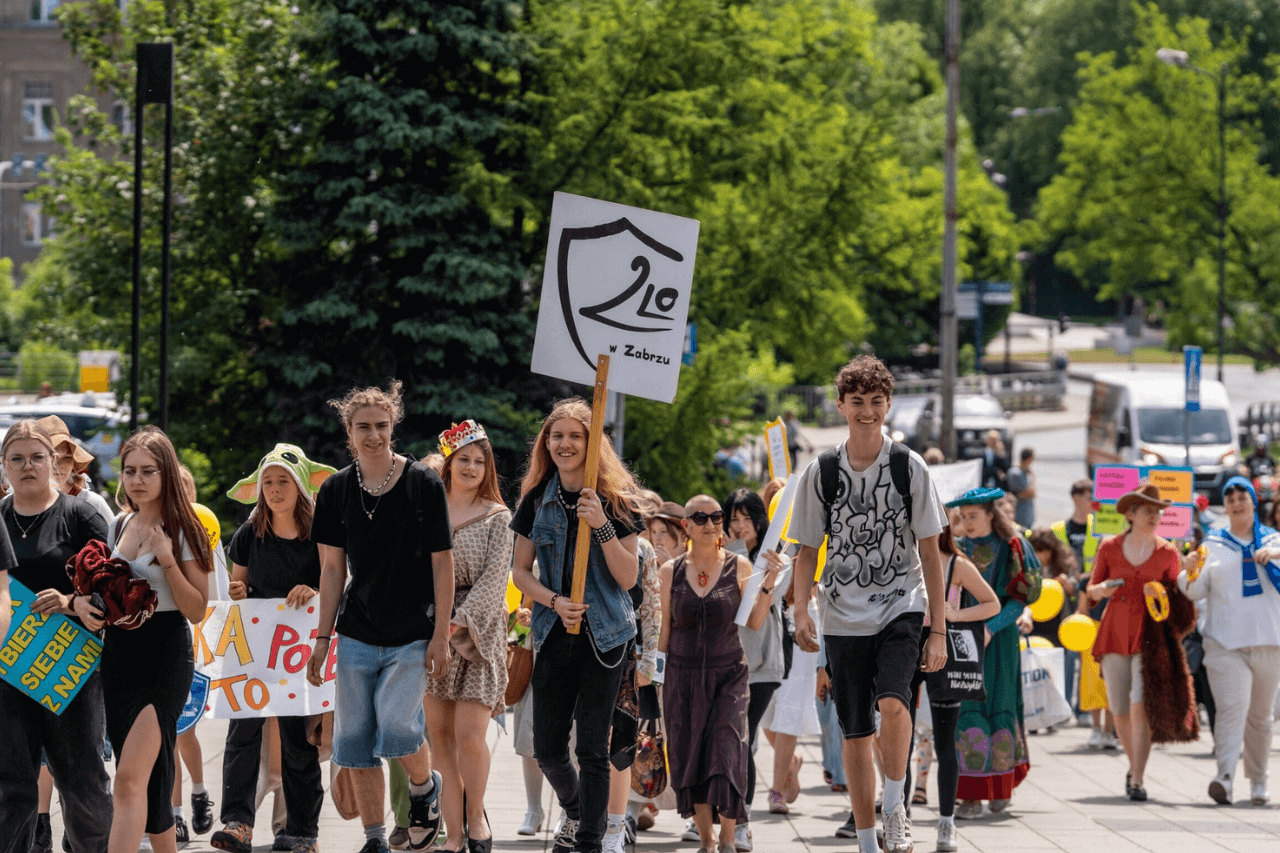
(377, 830)
(425, 788)
(177, 811)
(634, 808)
(893, 792)
(615, 824)
(867, 842)
(951, 819)
(197, 788)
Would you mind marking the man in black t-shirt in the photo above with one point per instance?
(389, 520)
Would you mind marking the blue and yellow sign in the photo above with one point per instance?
(46, 656)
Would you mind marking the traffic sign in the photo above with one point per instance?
(1192, 358)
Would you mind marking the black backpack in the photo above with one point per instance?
(899, 470)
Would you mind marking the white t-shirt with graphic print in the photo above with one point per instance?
(873, 572)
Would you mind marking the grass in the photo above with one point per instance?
(1142, 355)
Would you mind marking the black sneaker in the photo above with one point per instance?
(849, 829)
(375, 845)
(181, 834)
(66, 843)
(567, 836)
(43, 842)
(424, 815)
(283, 843)
(201, 813)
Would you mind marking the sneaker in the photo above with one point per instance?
(144, 846)
(424, 815)
(399, 838)
(690, 832)
(66, 843)
(897, 831)
(742, 838)
(946, 837)
(647, 817)
(1220, 789)
(1110, 741)
(1258, 794)
(43, 842)
(1095, 739)
(532, 824)
(201, 813)
(998, 806)
(969, 810)
(180, 832)
(613, 840)
(374, 845)
(848, 829)
(304, 844)
(567, 836)
(777, 803)
(235, 837)
(283, 843)
(629, 829)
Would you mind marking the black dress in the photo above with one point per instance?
(150, 665)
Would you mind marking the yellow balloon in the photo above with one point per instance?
(1049, 604)
(1040, 643)
(210, 523)
(513, 595)
(1078, 632)
(822, 560)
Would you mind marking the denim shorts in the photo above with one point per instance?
(379, 702)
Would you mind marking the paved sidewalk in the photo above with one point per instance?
(1072, 801)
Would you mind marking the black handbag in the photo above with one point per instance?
(961, 680)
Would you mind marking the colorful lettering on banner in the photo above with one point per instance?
(1176, 522)
(1112, 481)
(255, 654)
(775, 433)
(1175, 484)
(1108, 522)
(48, 657)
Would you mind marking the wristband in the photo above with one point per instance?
(604, 532)
(552, 605)
(326, 638)
(939, 633)
(767, 591)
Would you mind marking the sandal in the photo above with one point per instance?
(919, 797)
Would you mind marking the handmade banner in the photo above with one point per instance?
(772, 536)
(1110, 482)
(775, 435)
(954, 479)
(617, 282)
(47, 657)
(255, 653)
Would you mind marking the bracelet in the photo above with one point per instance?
(326, 637)
(552, 605)
(604, 532)
(767, 591)
(939, 633)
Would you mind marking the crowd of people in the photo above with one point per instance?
(889, 622)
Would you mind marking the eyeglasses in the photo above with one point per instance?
(37, 460)
(701, 518)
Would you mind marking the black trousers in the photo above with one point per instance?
(72, 743)
(760, 695)
(299, 774)
(573, 684)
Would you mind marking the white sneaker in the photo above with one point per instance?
(946, 837)
(145, 845)
(897, 831)
(1110, 741)
(613, 841)
(1220, 790)
(1095, 739)
(742, 838)
(1258, 794)
(532, 822)
(690, 832)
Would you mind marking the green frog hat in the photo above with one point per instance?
(307, 474)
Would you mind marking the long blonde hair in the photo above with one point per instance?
(614, 483)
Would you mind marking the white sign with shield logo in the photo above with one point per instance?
(617, 282)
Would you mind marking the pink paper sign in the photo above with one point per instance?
(1175, 523)
(1112, 481)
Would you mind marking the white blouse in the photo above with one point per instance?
(145, 566)
(1229, 618)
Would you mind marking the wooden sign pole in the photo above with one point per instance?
(599, 399)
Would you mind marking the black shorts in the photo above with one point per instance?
(865, 669)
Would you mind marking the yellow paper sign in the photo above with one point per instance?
(1174, 484)
(1108, 522)
(775, 436)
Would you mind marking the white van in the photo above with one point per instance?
(1138, 418)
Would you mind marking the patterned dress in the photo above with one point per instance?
(481, 566)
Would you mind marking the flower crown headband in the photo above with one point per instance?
(459, 436)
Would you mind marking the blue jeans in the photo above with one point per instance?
(379, 702)
(832, 741)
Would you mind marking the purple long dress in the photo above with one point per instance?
(705, 695)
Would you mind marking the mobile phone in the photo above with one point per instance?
(96, 602)
(1114, 582)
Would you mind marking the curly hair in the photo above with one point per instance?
(391, 401)
(865, 374)
(1061, 560)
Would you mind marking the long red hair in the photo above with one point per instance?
(614, 483)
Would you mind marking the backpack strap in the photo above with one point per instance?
(900, 471)
(828, 479)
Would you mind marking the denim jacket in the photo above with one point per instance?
(610, 617)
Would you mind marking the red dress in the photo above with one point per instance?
(1121, 629)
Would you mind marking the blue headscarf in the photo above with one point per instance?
(1251, 585)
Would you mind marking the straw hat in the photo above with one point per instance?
(56, 431)
(1147, 493)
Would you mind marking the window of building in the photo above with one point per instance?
(42, 10)
(122, 117)
(37, 111)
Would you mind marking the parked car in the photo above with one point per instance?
(904, 420)
(96, 427)
(973, 415)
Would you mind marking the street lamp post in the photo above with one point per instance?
(1169, 56)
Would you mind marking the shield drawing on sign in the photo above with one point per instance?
(644, 306)
(197, 701)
